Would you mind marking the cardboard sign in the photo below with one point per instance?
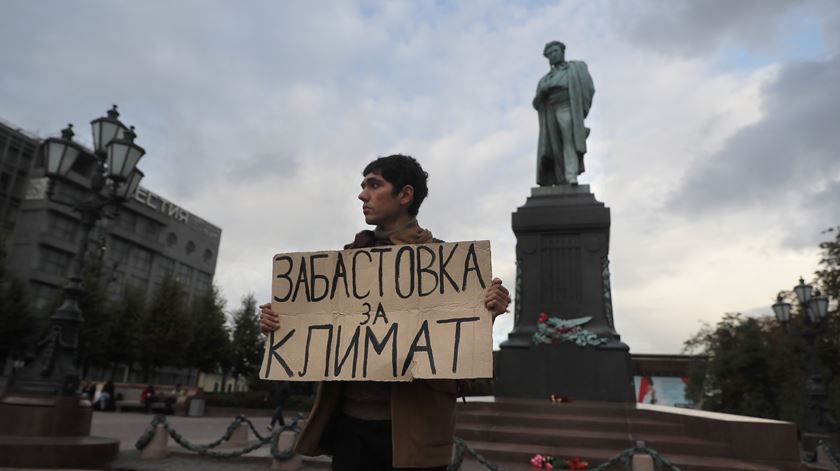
(390, 313)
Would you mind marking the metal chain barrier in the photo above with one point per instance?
(832, 455)
(207, 449)
(659, 462)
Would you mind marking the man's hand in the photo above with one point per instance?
(496, 298)
(269, 321)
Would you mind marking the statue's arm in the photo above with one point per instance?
(588, 88)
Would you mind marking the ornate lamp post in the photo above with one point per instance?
(815, 306)
(41, 398)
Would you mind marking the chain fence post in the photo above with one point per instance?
(286, 441)
(158, 446)
(239, 437)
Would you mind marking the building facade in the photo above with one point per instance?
(148, 239)
(17, 154)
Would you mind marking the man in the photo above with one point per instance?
(564, 96)
(369, 425)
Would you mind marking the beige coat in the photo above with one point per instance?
(422, 411)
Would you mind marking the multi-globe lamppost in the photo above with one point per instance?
(814, 308)
(42, 399)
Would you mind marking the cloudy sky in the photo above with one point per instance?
(715, 127)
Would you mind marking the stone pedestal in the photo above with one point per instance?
(562, 258)
(51, 432)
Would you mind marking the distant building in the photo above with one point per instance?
(17, 153)
(147, 239)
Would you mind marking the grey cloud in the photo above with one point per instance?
(780, 160)
(694, 27)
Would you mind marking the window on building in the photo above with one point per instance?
(185, 274)
(141, 259)
(171, 239)
(127, 220)
(208, 255)
(119, 250)
(202, 281)
(5, 181)
(190, 248)
(63, 227)
(54, 261)
(26, 157)
(148, 228)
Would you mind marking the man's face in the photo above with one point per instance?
(379, 204)
(555, 54)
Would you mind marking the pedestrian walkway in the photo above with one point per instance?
(128, 427)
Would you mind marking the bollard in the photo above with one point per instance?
(643, 463)
(239, 437)
(158, 447)
(286, 440)
(822, 457)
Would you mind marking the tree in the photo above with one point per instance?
(123, 339)
(247, 342)
(210, 348)
(93, 303)
(164, 331)
(754, 366)
(18, 324)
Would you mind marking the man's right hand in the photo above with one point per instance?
(269, 321)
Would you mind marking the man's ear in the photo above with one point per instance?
(406, 195)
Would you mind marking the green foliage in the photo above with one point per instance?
(18, 324)
(123, 342)
(247, 342)
(754, 366)
(210, 348)
(93, 348)
(165, 328)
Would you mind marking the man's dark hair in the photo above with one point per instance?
(401, 170)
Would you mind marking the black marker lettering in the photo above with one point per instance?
(329, 329)
(354, 345)
(380, 251)
(421, 270)
(457, 322)
(471, 256)
(370, 339)
(340, 272)
(442, 270)
(409, 249)
(314, 276)
(380, 313)
(355, 292)
(273, 355)
(366, 314)
(286, 277)
(424, 329)
(302, 279)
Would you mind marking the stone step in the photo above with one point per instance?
(577, 422)
(593, 409)
(517, 457)
(517, 434)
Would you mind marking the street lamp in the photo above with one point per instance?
(42, 398)
(815, 306)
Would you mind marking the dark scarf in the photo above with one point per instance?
(411, 233)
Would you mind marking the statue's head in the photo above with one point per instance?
(555, 51)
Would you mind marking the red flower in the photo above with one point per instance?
(543, 317)
(576, 463)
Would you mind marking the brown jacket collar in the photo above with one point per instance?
(411, 233)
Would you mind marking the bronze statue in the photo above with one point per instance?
(563, 98)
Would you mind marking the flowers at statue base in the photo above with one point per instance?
(550, 462)
(555, 330)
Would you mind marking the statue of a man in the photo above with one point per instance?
(564, 96)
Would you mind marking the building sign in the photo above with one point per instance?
(390, 313)
(161, 204)
(172, 210)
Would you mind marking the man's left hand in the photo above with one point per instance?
(496, 298)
